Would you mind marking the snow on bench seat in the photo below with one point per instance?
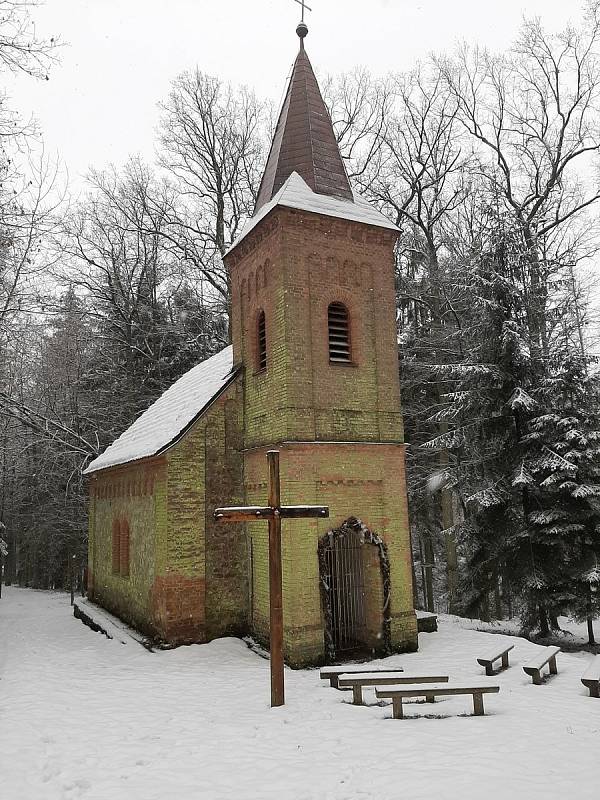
(591, 677)
(332, 673)
(535, 665)
(399, 692)
(495, 653)
(357, 681)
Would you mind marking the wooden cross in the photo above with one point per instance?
(273, 513)
(304, 6)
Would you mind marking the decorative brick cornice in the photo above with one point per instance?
(268, 226)
(310, 222)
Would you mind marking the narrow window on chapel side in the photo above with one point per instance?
(124, 549)
(262, 342)
(116, 547)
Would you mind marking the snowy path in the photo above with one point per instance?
(85, 717)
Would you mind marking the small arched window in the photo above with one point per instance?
(339, 334)
(261, 342)
(120, 547)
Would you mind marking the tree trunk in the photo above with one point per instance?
(11, 558)
(497, 597)
(543, 618)
(590, 618)
(415, 590)
(428, 567)
(485, 608)
(449, 538)
(590, 627)
(71, 577)
(451, 568)
(508, 594)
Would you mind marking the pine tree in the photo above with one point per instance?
(524, 434)
(565, 486)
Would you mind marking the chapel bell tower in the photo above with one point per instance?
(314, 327)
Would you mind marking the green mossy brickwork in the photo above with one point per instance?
(364, 480)
(339, 428)
(227, 545)
(292, 267)
(301, 263)
(188, 576)
(125, 493)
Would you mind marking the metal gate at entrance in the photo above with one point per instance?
(345, 575)
(354, 571)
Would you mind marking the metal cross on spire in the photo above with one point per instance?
(304, 6)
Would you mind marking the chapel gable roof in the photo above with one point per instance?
(168, 418)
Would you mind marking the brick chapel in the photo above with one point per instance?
(312, 371)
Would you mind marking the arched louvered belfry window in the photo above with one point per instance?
(261, 342)
(338, 321)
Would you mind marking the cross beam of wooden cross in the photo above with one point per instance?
(273, 513)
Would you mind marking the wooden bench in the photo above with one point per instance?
(537, 664)
(398, 693)
(357, 681)
(332, 674)
(487, 660)
(591, 677)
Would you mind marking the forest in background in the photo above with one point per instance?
(489, 165)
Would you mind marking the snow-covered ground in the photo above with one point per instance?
(572, 635)
(83, 716)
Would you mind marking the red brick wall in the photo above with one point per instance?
(364, 481)
(293, 267)
(304, 262)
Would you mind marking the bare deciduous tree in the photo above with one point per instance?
(20, 49)
(212, 142)
(533, 115)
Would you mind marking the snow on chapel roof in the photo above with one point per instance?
(161, 424)
(295, 193)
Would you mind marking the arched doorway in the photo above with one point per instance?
(354, 575)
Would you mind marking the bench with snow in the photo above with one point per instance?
(398, 693)
(357, 681)
(487, 660)
(538, 662)
(591, 677)
(332, 674)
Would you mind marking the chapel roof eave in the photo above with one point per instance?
(297, 195)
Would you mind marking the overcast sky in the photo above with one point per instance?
(121, 55)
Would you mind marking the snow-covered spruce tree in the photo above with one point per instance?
(523, 436)
(564, 486)
(485, 407)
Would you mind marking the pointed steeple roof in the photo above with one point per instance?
(304, 141)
